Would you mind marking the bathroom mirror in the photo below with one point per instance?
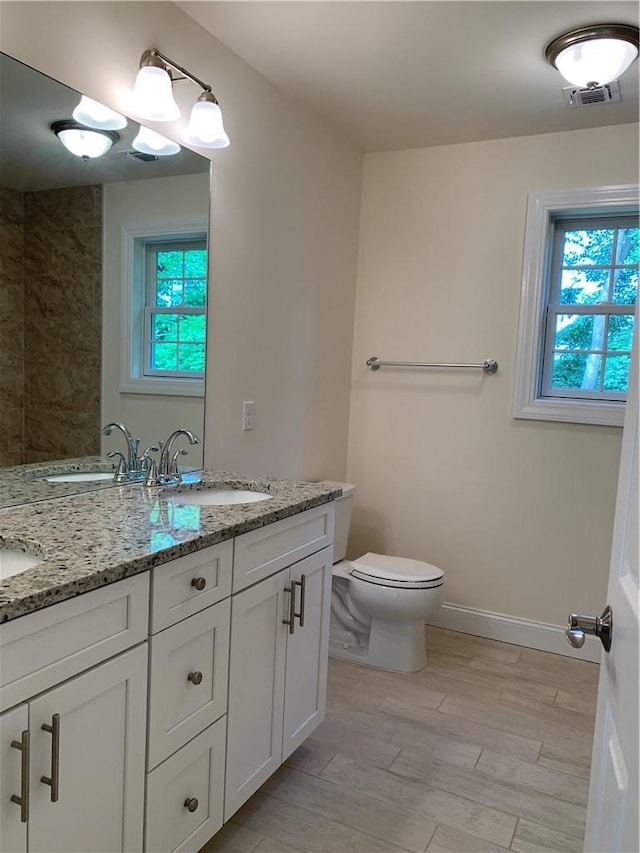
(71, 235)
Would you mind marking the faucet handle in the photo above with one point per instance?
(149, 463)
(174, 471)
(122, 469)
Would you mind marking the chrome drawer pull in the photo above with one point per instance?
(191, 803)
(302, 583)
(54, 779)
(23, 800)
(292, 608)
(195, 677)
(199, 583)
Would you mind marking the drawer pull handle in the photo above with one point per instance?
(292, 608)
(54, 780)
(191, 803)
(302, 583)
(199, 583)
(195, 678)
(23, 800)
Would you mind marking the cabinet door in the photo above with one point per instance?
(101, 724)
(256, 688)
(307, 651)
(13, 830)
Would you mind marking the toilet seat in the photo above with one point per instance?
(396, 572)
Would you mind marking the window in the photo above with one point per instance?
(580, 287)
(164, 308)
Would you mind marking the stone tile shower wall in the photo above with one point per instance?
(11, 328)
(62, 322)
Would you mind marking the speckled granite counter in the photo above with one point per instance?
(22, 484)
(87, 541)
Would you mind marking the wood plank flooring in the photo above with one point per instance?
(487, 749)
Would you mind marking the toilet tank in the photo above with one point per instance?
(343, 518)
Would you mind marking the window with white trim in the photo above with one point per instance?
(164, 305)
(580, 288)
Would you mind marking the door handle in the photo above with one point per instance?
(302, 583)
(292, 608)
(54, 780)
(23, 799)
(600, 626)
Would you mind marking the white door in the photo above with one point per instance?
(612, 817)
(307, 650)
(14, 774)
(256, 687)
(93, 749)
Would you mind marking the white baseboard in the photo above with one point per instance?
(511, 629)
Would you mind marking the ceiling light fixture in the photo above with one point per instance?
(92, 113)
(595, 55)
(153, 99)
(85, 142)
(150, 142)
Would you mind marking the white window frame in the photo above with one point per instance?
(542, 208)
(132, 376)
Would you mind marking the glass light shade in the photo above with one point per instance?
(94, 114)
(153, 95)
(150, 142)
(84, 142)
(205, 129)
(597, 61)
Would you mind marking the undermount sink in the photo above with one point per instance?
(78, 477)
(12, 562)
(217, 497)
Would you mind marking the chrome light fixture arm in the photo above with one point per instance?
(151, 57)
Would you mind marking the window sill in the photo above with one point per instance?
(164, 387)
(602, 413)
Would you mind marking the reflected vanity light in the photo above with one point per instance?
(85, 142)
(595, 55)
(153, 99)
(150, 142)
(92, 113)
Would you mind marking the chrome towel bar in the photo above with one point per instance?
(489, 366)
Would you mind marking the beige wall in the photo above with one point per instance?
(518, 513)
(284, 226)
(150, 417)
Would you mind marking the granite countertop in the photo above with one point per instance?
(89, 540)
(21, 484)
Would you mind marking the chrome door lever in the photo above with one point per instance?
(601, 626)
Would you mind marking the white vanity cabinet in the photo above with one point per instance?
(277, 672)
(72, 772)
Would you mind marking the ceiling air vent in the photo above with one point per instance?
(588, 97)
(141, 157)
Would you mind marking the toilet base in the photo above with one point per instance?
(397, 646)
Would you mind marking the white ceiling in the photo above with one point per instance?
(411, 74)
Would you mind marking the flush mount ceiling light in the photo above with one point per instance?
(149, 142)
(595, 55)
(92, 113)
(153, 99)
(85, 142)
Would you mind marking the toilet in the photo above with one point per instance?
(379, 604)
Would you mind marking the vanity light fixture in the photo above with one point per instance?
(85, 142)
(594, 55)
(92, 113)
(149, 142)
(153, 99)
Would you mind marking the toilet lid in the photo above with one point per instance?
(399, 570)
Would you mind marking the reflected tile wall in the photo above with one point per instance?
(62, 322)
(11, 327)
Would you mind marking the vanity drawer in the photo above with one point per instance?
(184, 586)
(188, 672)
(46, 647)
(196, 772)
(268, 549)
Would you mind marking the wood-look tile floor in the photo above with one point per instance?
(487, 749)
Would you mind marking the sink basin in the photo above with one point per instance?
(78, 477)
(13, 562)
(217, 497)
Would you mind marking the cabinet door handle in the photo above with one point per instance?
(23, 800)
(54, 780)
(302, 583)
(195, 677)
(199, 583)
(191, 803)
(292, 608)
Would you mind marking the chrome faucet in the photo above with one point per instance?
(167, 472)
(128, 467)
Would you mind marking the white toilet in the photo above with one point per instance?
(379, 604)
